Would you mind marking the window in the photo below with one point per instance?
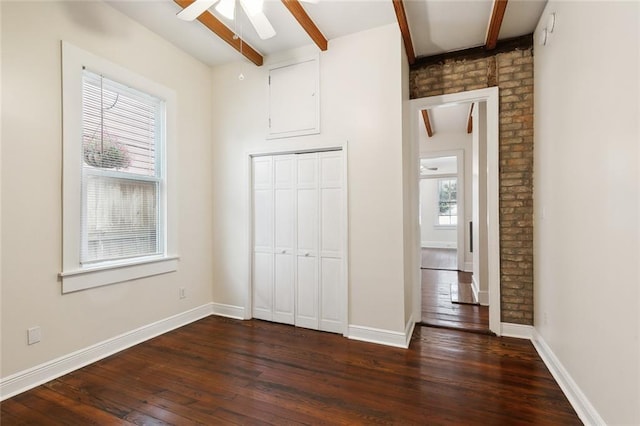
(447, 202)
(122, 175)
(117, 128)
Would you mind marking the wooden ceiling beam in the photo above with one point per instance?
(497, 14)
(398, 5)
(470, 120)
(226, 34)
(306, 23)
(427, 122)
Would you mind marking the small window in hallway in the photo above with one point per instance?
(447, 202)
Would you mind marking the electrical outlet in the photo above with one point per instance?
(182, 293)
(34, 335)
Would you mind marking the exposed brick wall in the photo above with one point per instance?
(512, 72)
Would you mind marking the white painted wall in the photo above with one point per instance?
(31, 181)
(446, 142)
(361, 91)
(587, 231)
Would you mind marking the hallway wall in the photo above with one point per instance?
(587, 229)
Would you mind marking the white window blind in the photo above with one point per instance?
(122, 177)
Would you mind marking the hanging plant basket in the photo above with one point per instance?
(107, 153)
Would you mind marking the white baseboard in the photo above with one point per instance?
(585, 410)
(382, 337)
(475, 289)
(408, 331)
(439, 244)
(229, 311)
(482, 296)
(35, 376)
(520, 331)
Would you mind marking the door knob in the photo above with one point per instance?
(283, 251)
(306, 254)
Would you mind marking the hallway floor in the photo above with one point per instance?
(439, 311)
(439, 258)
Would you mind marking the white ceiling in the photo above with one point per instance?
(437, 26)
(447, 119)
(440, 164)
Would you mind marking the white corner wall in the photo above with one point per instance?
(31, 182)
(587, 213)
(361, 103)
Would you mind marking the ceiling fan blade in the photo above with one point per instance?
(262, 25)
(195, 9)
(227, 8)
(259, 21)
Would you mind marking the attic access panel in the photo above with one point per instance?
(294, 99)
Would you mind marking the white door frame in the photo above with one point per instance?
(490, 96)
(460, 227)
(248, 306)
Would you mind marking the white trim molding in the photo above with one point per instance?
(229, 311)
(519, 331)
(585, 410)
(383, 337)
(474, 287)
(32, 377)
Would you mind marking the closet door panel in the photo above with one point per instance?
(283, 306)
(307, 240)
(331, 169)
(263, 286)
(330, 227)
(307, 295)
(307, 168)
(331, 295)
(262, 274)
(284, 283)
(331, 242)
(263, 219)
(307, 220)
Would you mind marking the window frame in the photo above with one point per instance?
(75, 276)
(438, 215)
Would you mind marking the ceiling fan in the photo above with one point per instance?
(252, 8)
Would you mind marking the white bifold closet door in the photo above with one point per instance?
(298, 240)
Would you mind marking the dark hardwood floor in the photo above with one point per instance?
(222, 371)
(439, 311)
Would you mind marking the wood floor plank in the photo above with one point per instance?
(222, 371)
(437, 308)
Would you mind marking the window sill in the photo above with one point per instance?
(112, 273)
